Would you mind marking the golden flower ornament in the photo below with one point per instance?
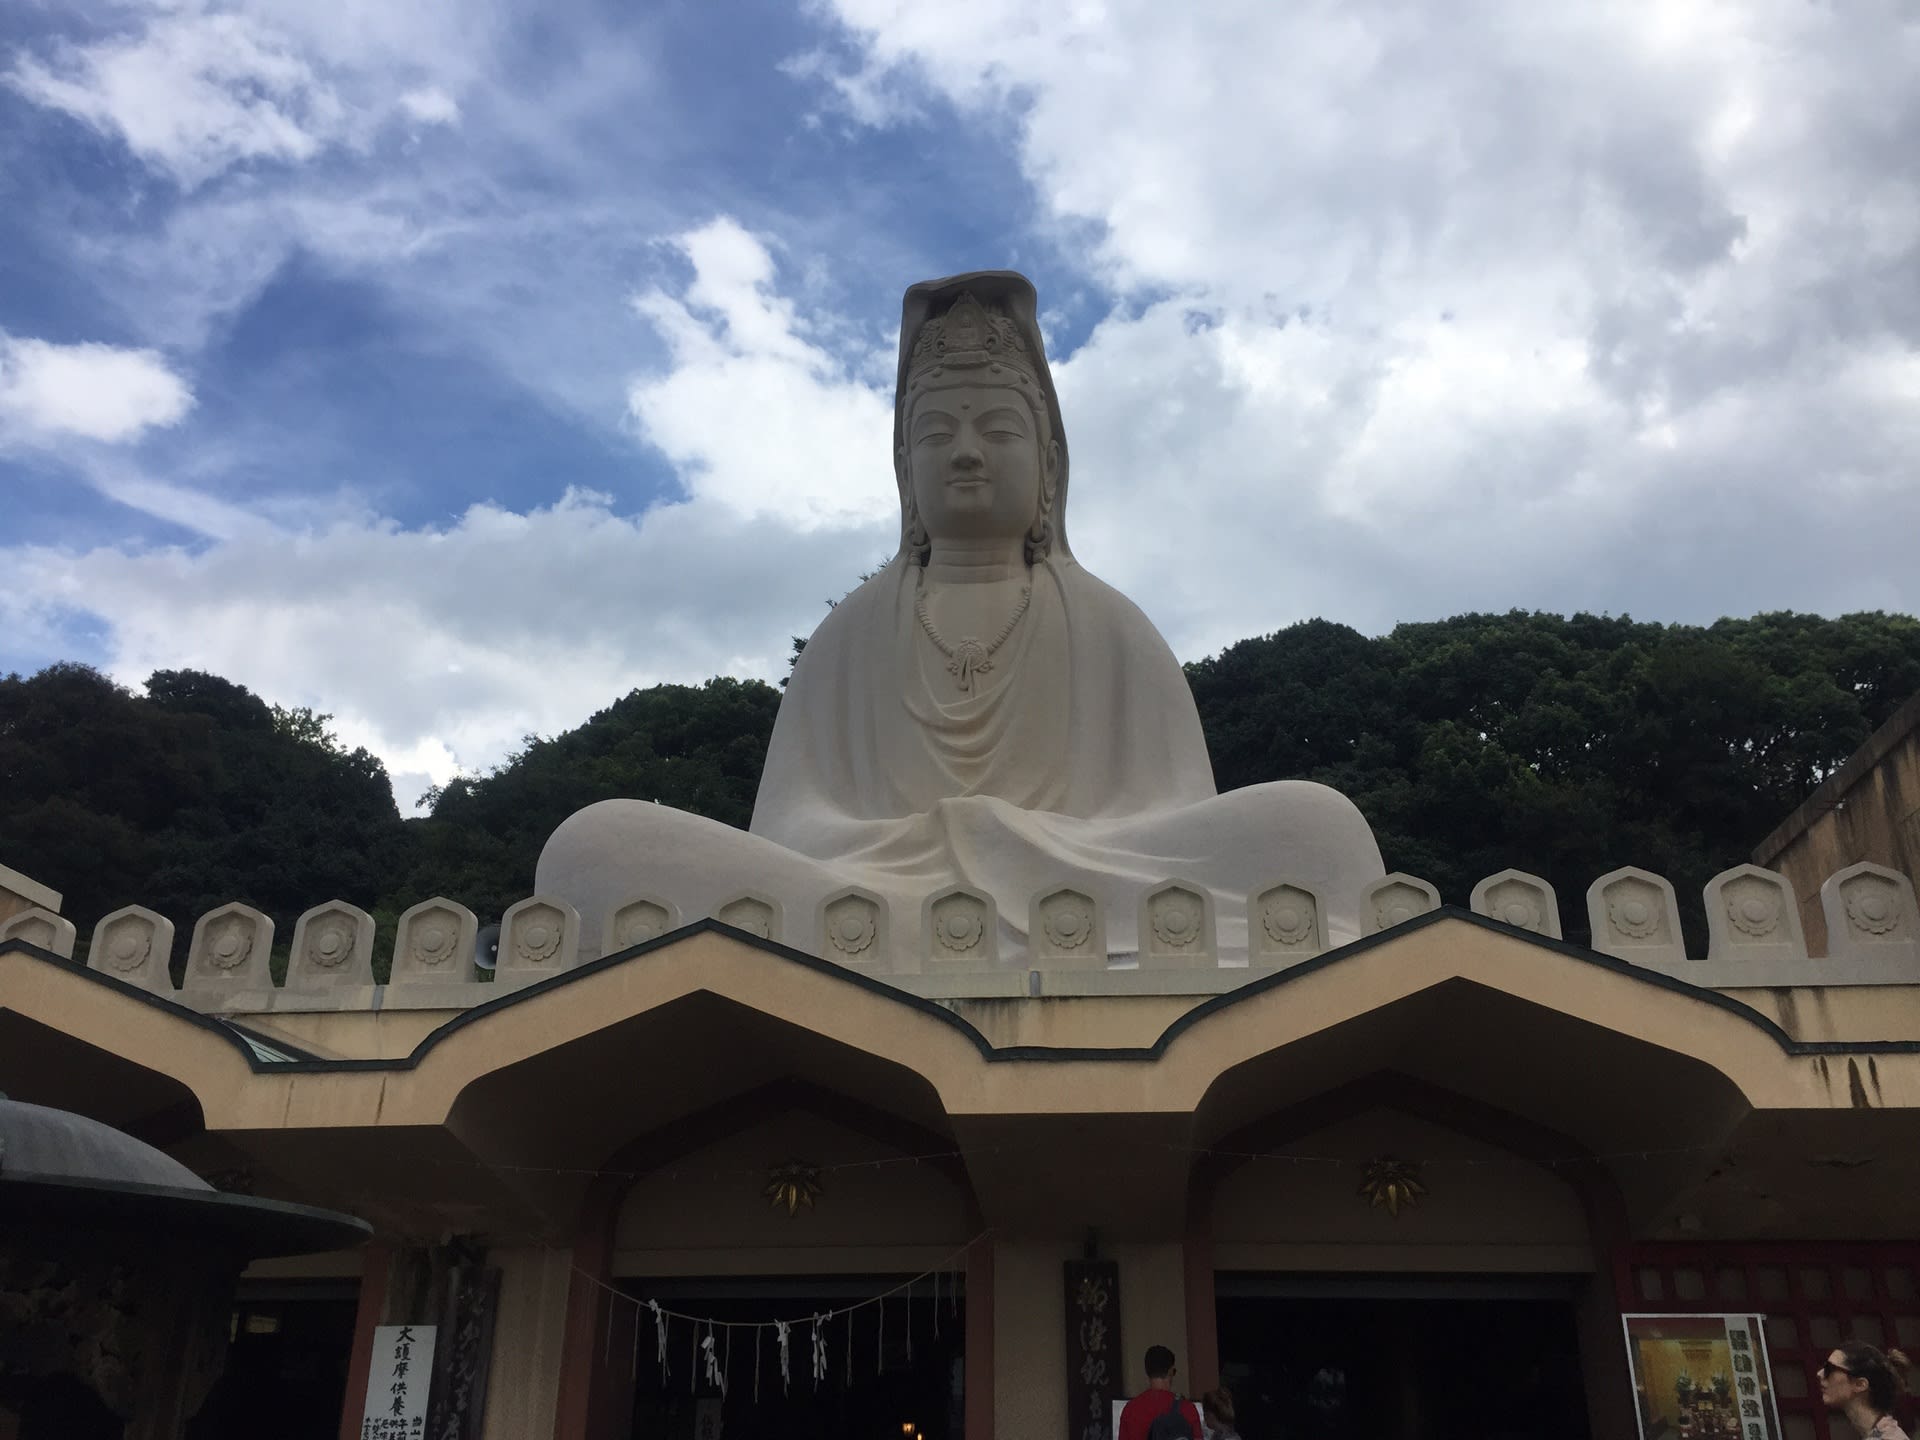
(792, 1185)
(1393, 1185)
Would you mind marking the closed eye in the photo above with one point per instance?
(1003, 423)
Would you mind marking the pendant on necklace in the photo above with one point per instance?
(969, 658)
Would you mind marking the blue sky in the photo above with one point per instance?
(454, 368)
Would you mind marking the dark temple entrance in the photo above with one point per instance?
(1326, 1358)
(896, 1372)
(286, 1370)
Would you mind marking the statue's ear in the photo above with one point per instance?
(1050, 469)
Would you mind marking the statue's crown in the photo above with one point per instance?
(968, 336)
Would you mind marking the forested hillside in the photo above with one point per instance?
(1560, 745)
(1565, 746)
(193, 795)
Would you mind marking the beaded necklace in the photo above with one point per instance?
(970, 657)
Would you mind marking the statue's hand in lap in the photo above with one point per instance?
(983, 712)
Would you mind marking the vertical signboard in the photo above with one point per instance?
(464, 1352)
(1701, 1376)
(1093, 1347)
(398, 1383)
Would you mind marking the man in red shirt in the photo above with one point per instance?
(1157, 1399)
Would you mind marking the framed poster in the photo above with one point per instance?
(1704, 1377)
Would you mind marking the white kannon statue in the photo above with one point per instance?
(983, 712)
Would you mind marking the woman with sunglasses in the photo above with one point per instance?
(1864, 1385)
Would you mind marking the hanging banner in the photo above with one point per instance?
(460, 1369)
(398, 1383)
(1701, 1376)
(1093, 1347)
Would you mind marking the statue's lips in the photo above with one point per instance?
(967, 482)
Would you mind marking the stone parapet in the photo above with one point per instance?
(20, 893)
(954, 944)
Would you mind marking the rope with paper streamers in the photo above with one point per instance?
(659, 1332)
(690, 1173)
(712, 1338)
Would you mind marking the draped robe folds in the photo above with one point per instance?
(1077, 760)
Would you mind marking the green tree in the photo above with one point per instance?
(1562, 745)
(696, 748)
(182, 800)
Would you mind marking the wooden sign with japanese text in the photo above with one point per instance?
(1093, 1347)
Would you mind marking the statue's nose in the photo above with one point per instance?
(966, 454)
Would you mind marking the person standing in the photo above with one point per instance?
(1864, 1385)
(1157, 1411)
(1216, 1413)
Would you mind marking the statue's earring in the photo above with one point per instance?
(1040, 533)
(919, 544)
(916, 542)
(1040, 540)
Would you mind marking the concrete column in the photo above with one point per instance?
(376, 1262)
(1153, 1310)
(529, 1336)
(1202, 1365)
(587, 1312)
(980, 1341)
(1029, 1336)
(1030, 1325)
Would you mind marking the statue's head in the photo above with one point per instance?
(974, 389)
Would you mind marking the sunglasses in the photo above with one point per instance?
(1829, 1369)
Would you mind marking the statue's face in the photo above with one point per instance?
(975, 461)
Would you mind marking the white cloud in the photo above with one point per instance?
(866, 93)
(444, 646)
(415, 186)
(177, 504)
(753, 414)
(95, 392)
(196, 90)
(1422, 310)
(448, 646)
(193, 94)
(431, 106)
(440, 647)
